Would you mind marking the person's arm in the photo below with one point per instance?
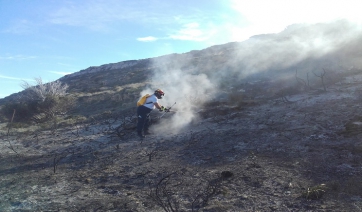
(158, 106)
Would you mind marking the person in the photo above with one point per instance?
(143, 112)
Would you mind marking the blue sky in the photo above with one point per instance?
(51, 38)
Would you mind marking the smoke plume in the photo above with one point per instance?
(187, 89)
(192, 78)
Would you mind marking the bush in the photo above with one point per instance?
(23, 110)
(40, 103)
(53, 106)
(41, 91)
(37, 110)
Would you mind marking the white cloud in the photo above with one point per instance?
(190, 31)
(12, 78)
(60, 72)
(17, 57)
(147, 39)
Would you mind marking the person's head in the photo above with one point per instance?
(159, 93)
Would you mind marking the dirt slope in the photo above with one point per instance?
(301, 155)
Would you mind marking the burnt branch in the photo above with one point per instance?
(300, 80)
(212, 189)
(164, 194)
(8, 133)
(322, 75)
(305, 84)
(126, 127)
(56, 161)
(151, 153)
(171, 189)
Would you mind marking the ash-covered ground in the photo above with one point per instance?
(304, 154)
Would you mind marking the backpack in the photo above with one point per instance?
(142, 100)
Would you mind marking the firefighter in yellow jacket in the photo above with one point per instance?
(143, 112)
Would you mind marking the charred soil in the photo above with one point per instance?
(301, 155)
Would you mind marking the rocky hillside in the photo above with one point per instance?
(298, 153)
(269, 124)
(274, 61)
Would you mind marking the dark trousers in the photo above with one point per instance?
(144, 119)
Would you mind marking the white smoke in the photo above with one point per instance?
(191, 79)
(187, 88)
(304, 47)
(296, 44)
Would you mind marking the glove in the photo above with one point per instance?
(162, 108)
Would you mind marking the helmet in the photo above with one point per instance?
(159, 93)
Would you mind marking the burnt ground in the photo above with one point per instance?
(304, 154)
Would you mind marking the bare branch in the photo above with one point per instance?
(322, 78)
(9, 127)
(40, 91)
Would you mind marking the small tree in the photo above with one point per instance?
(49, 98)
(41, 91)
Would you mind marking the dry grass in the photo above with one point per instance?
(315, 192)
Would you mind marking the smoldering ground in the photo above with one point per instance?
(188, 91)
(303, 47)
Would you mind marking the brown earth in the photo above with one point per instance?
(303, 154)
